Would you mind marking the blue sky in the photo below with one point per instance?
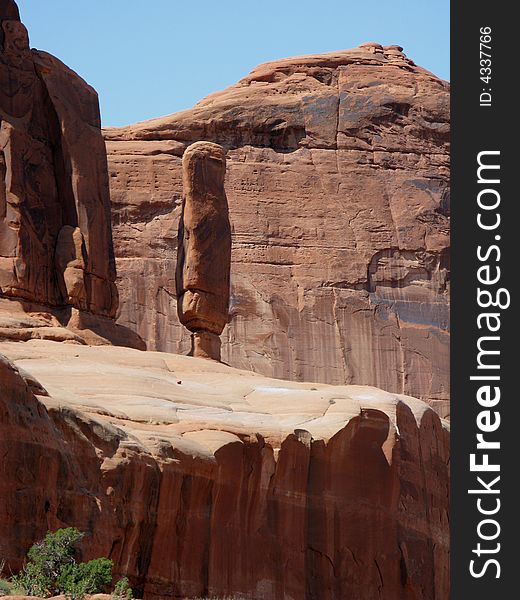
(148, 59)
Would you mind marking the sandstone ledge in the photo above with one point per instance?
(200, 479)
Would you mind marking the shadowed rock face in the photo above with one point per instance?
(199, 480)
(55, 234)
(204, 251)
(9, 10)
(338, 187)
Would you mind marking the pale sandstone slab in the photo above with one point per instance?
(200, 479)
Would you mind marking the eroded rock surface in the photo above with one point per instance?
(55, 234)
(201, 480)
(338, 188)
(204, 250)
(195, 478)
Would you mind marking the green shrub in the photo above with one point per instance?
(52, 568)
(31, 581)
(55, 551)
(122, 590)
(5, 588)
(76, 580)
(47, 558)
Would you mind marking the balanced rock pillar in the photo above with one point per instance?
(204, 250)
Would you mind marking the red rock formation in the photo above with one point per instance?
(204, 253)
(337, 181)
(55, 236)
(200, 480)
(193, 477)
(9, 10)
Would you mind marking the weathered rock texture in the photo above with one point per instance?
(204, 249)
(201, 480)
(195, 478)
(55, 234)
(337, 182)
(9, 10)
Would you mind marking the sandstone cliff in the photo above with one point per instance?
(337, 182)
(55, 235)
(199, 479)
(194, 477)
(57, 268)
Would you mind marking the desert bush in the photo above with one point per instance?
(78, 579)
(122, 590)
(5, 588)
(46, 559)
(52, 568)
(55, 551)
(31, 581)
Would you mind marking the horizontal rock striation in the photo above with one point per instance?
(201, 480)
(338, 188)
